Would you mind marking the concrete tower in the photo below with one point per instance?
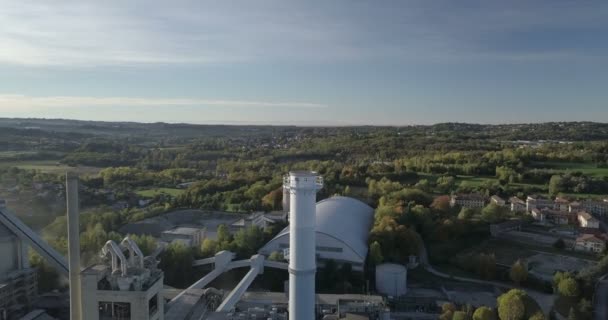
(302, 187)
(74, 245)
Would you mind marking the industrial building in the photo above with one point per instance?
(191, 237)
(128, 285)
(121, 287)
(17, 280)
(342, 229)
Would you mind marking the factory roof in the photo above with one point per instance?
(345, 219)
(183, 230)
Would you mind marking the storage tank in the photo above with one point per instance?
(391, 279)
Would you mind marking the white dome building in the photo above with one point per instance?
(342, 231)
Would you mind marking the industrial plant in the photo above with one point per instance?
(126, 284)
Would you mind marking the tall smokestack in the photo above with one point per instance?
(73, 244)
(302, 187)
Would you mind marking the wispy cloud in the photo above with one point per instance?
(114, 32)
(21, 102)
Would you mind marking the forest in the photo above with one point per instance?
(404, 173)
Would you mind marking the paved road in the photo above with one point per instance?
(600, 310)
(545, 301)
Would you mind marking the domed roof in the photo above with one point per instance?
(345, 219)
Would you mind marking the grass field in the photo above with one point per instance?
(586, 168)
(49, 166)
(150, 193)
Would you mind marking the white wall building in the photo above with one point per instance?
(123, 288)
(342, 229)
(587, 221)
(191, 237)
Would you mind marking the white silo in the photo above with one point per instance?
(302, 187)
(391, 279)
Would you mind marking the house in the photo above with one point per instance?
(517, 204)
(498, 200)
(561, 204)
(598, 208)
(468, 201)
(553, 216)
(538, 202)
(590, 243)
(574, 206)
(586, 220)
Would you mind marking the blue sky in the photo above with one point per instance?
(305, 62)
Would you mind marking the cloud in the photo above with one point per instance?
(21, 102)
(87, 33)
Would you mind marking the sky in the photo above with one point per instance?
(313, 62)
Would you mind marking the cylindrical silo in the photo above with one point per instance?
(391, 279)
(302, 187)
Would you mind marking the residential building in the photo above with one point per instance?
(517, 204)
(586, 220)
(468, 201)
(538, 202)
(590, 243)
(574, 206)
(191, 237)
(561, 204)
(598, 208)
(553, 216)
(498, 200)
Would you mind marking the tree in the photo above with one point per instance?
(537, 316)
(459, 315)
(518, 272)
(559, 244)
(441, 203)
(276, 256)
(484, 313)
(466, 213)
(568, 288)
(209, 247)
(555, 185)
(176, 262)
(558, 277)
(375, 253)
(486, 265)
(447, 311)
(492, 213)
(572, 315)
(511, 305)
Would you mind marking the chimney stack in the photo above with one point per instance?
(302, 187)
(73, 244)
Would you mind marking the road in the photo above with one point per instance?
(600, 309)
(545, 301)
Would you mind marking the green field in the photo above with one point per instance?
(49, 166)
(589, 169)
(151, 193)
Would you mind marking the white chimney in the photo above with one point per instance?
(302, 187)
(73, 244)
